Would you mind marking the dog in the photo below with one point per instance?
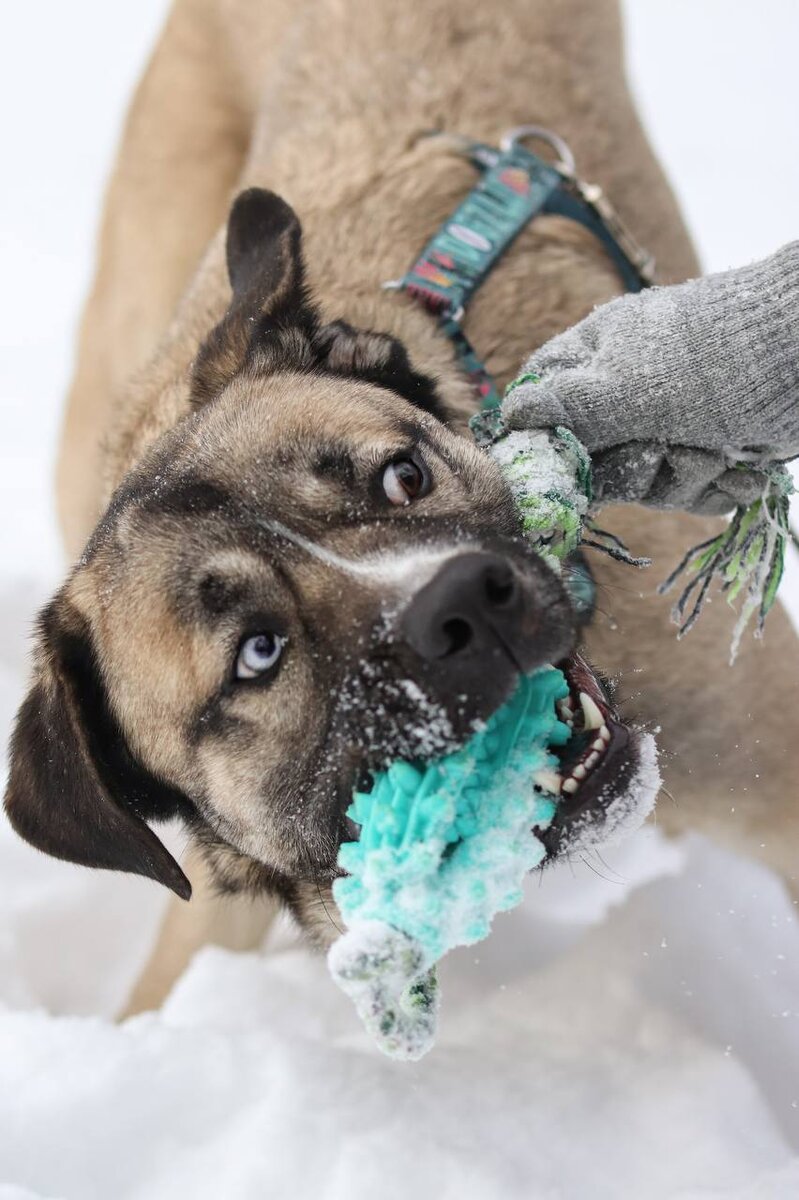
(291, 562)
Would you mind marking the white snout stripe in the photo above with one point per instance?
(403, 572)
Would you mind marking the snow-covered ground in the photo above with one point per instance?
(635, 1036)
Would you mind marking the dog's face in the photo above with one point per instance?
(310, 577)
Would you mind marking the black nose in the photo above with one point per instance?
(473, 604)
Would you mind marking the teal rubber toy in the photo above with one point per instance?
(442, 849)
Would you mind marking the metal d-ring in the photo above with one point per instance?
(565, 164)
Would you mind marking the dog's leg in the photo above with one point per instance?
(182, 150)
(235, 923)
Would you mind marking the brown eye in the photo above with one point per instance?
(404, 481)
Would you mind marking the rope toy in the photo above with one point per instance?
(749, 554)
(747, 557)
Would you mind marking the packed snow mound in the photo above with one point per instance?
(254, 1081)
(640, 1055)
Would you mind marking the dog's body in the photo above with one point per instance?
(335, 105)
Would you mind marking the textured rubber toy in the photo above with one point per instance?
(442, 849)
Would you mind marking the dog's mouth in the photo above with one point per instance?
(606, 779)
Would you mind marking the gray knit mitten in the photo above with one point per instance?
(681, 394)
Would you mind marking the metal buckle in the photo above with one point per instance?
(642, 260)
(523, 133)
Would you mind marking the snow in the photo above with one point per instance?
(568, 1054)
(629, 1036)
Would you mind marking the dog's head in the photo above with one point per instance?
(310, 576)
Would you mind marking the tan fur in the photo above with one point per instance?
(329, 104)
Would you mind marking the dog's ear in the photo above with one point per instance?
(271, 323)
(269, 308)
(75, 791)
(376, 358)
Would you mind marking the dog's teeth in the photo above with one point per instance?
(570, 786)
(604, 733)
(580, 771)
(591, 714)
(599, 745)
(548, 781)
(592, 760)
(565, 709)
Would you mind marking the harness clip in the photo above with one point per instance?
(595, 198)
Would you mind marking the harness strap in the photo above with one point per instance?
(565, 203)
(515, 185)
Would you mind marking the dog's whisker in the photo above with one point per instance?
(670, 795)
(608, 867)
(318, 887)
(591, 867)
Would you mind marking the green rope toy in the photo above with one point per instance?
(749, 553)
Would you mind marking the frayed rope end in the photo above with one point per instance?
(749, 554)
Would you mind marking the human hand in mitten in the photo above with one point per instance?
(683, 395)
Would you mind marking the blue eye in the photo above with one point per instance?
(258, 654)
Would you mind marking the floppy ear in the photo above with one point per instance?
(75, 791)
(376, 358)
(269, 307)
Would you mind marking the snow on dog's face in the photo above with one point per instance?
(309, 577)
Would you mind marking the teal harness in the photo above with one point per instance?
(515, 185)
